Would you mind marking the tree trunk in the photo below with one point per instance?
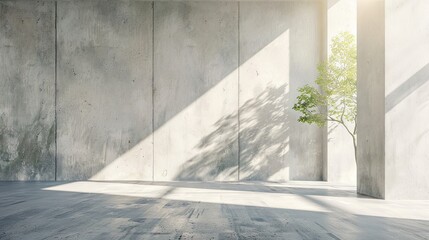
(355, 148)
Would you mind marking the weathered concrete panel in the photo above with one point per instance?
(279, 52)
(407, 99)
(196, 61)
(340, 161)
(104, 90)
(370, 97)
(27, 80)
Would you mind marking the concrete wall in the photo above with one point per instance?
(27, 85)
(370, 98)
(279, 52)
(196, 81)
(393, 86)
(407, 99)
(169, 90)
(104, 90)
(340, 165)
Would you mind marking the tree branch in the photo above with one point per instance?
(355, 127)
(344, 125)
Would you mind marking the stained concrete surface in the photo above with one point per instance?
(27, 83)
(104, 90)
(191, 210)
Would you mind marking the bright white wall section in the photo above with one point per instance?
(407, 99)
(340, 165)
(196, 86)
(222, 105)
(279, 52)
(393, 98)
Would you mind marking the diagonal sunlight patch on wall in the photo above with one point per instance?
(191, 136)
(201, 143)
(196, 134)
(129, 165)
(115, 59)
(264, 121)
(176, 145)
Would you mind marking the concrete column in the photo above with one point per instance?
(339, 163)
(393, 97)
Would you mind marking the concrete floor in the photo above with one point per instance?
(188, 210)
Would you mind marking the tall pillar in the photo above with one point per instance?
(393, 98)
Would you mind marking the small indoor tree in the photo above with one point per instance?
(335, 98)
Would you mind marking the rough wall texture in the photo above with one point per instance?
(27, 85)
(279, 52)
(109, 101)
(104, 90)
(196, 91)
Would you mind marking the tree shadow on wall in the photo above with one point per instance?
(262, 140)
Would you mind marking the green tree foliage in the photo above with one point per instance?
(335, 98)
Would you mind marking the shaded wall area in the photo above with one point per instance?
(27, 85)
(104, 90)
(160, 91)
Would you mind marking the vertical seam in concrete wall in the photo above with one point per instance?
(324, 57)
(55, 91)
(238, 91)
(153, 91)
(384, 195)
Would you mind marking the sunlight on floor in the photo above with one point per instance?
(304, 196)
(221, 196)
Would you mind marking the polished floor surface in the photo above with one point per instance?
(190, 210)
